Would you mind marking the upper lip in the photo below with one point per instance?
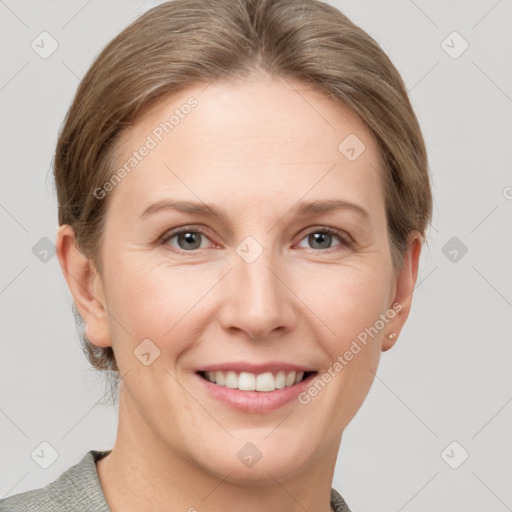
(241, 366)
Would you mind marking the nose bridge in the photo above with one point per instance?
(259, 302)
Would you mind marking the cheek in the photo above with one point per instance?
(347, 300)
(172, 305)
(157, 302)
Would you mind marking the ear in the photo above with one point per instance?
(86, 286)
(405, 283)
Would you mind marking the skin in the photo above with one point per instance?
(254, 149)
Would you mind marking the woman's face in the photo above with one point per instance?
(283, 265)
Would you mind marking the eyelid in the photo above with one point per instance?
(343, 236)
(171, 233)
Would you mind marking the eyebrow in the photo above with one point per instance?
(301, 209)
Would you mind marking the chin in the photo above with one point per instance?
(242, 462)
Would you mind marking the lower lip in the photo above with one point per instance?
(255, 401)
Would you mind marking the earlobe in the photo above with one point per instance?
(85, 285)
(405, 283)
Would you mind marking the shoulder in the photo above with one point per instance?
(77, 489)
(338, 504)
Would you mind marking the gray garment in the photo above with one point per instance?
(79, 490)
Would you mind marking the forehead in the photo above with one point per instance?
(248, 142)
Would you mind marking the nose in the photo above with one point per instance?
(257, 298)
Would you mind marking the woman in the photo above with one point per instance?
(277, 140)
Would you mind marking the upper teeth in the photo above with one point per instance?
(246, 381)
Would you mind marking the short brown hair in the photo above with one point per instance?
(183, 42)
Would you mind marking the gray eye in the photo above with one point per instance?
(189, 240)
(186, 239)
(322, 239)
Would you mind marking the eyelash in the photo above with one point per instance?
(345, 241)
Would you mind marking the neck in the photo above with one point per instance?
(143, 473)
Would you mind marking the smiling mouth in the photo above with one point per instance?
(263, 382)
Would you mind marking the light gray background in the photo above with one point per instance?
(449, 376)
